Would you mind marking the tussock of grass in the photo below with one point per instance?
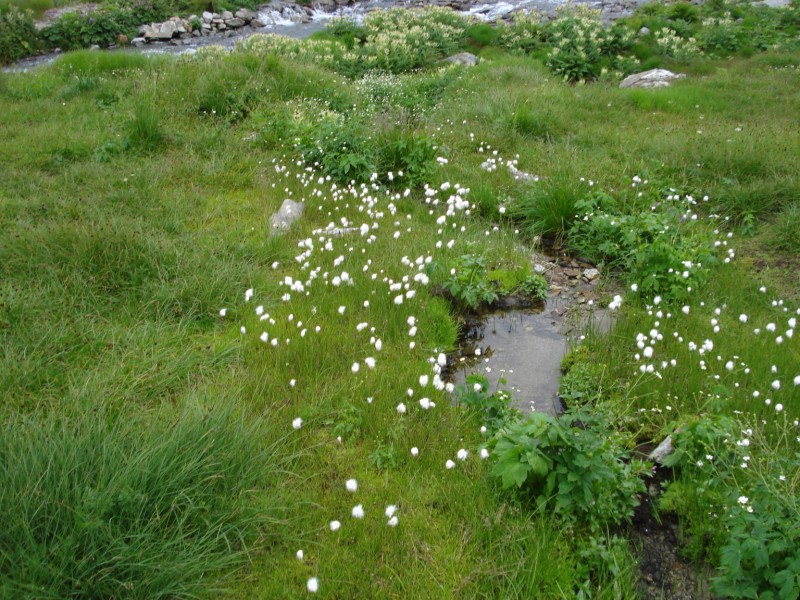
(95, 505)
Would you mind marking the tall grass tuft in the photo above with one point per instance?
(101, 507)
(549, 208)
(144, 129)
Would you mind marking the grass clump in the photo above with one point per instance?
(548, 208)
(97, 506)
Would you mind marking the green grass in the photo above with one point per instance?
(134, 204)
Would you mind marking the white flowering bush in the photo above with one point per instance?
(669, 43)
(582, 46)
(524, 34)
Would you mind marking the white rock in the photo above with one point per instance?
(654, 78)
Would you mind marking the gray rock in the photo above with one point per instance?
(245, 15)
(773, 3)
(256, 24)
(520, 175)
(207, 16)
(226, 15)
(164, 31)
(235, 23)
(288, 213)
(663, 450)
(644, 31)
(463, 58)
(654, 78)
(138, 41)
(591, 274)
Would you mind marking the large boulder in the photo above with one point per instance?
(654, 78)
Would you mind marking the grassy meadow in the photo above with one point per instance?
(187, 395)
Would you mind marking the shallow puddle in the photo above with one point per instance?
(524, 347)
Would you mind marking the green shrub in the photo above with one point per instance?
(481, 34)
(339, 148)
(660, 251)
(523, 36)
(683, 11)
(582, 48)
(347, 32)
(573, 464)
(18, 37)
(101, 507)
(720, 35)
(410, 158)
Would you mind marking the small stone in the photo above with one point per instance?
(235, 23)
(644, 31)
(288, 213)
(663, 450)
(463, 58)
(591, 274)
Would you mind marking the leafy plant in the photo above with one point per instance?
(18, 37)
(408, 156)
(572, 463)
(582, 384)
(339, 148)
(582, 48)
(761, 558)
(466, 281)
(349, 423)
(494, 408)
(658, 249)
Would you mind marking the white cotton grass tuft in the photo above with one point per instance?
(351, 485)
(484, 453)
(223, 312)
(358, 511)
(297, 423)
(462, 454)
(415, 451)
(390, 510)
(393, 521)
(335, 525)
(449, 464)
(312, 585)
(401, 408)
(299, 555)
